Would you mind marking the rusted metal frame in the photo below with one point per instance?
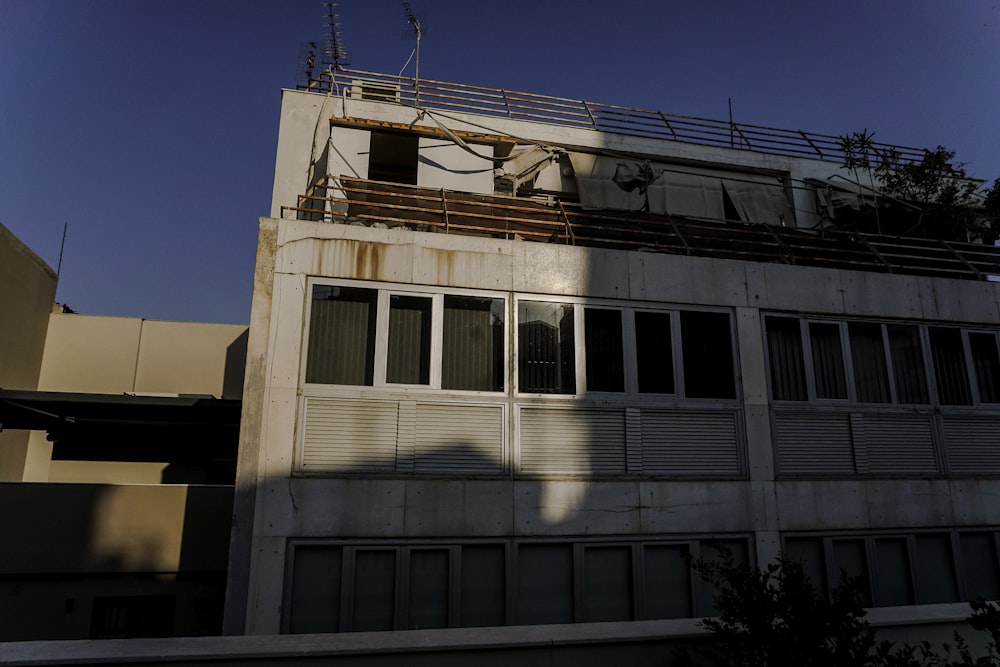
(455, 225)
(789, 255)
(569, 227)
(444, 209)
(888, 265)
(666, 122)
(593, 121)
(810, 142)
(453, 215)
(425, 131)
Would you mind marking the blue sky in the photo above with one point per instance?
(150, 127)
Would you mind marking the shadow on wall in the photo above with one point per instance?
(236, 359)
(105, 561)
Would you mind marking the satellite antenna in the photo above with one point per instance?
(414, 22)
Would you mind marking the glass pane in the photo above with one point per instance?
(908, 364)
(871, 377)
(607, 584)
(483, 586)
(374, 590)
(979, 561)
(341, 335)
(603, 340)
(809, 552)
(428, 589)
(949, 366)
(408, 359)
(315, 604)
(544, 584)
(546, 358)
(708, 355)
(987, 364)
(667, 570)
(472, 344)
(893, 581)
(828, 360)
(654, 353)
(849, 560)
(935, 570)
(784, 346)
(711, 551)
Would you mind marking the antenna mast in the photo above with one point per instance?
(412, 19)
(334, 52)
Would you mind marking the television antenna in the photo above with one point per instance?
(334, 52)
(316, 57)
(414, 23)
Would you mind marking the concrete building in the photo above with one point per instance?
(27, 292)
(513, 360)
(117, 458)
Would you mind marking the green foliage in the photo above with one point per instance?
(776, 616)
(933, 197)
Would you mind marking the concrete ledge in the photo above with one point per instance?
(207, 649)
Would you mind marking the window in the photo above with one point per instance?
(888, 362)
(472, 349)
(392, 157)
(788, 373)
(607, 583)
(828, 360)
(987, 364)
(708, 355)
(654, 352)
(545, 584)
(949, 366)
(364, 587)
(377, 337)
(131, 616)
(916, 568)
(603, 336)
(408, 357)
(907, 363)
(871, 378)
(624, 351)
(341, 335)
(546, 350)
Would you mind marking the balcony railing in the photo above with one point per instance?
(365, 202)
(502, 103)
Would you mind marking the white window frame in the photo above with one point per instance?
(384, 292)
(629, 350)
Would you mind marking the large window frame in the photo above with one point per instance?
(387, 298)
(925, 575)
(631, 344)
(977, 377)
(584, 589)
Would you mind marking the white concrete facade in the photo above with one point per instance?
(740, 470)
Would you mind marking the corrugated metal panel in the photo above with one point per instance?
(573, 440)
(817, 443)
(459, 439)
(690, 442)
(349, 436)
(900, 444)
(972, 444)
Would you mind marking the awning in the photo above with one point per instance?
(126, 427)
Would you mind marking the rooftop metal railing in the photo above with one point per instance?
(502, 103)
(365, 202)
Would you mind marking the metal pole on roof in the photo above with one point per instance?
(412, 19)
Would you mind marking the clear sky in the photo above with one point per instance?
(150, 127)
